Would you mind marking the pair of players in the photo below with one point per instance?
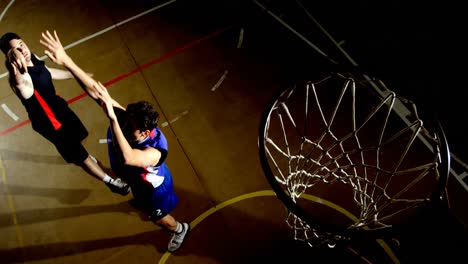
(137, 149)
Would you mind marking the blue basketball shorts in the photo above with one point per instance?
(164, 199)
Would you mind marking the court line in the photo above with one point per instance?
(11, 204)
(179, 116)
(119, 24)
(295, 32)
(105, 30)
(9, 112)
(6, 9)
(136, 70)
(221, 79)
(246, 196)
(241, 38)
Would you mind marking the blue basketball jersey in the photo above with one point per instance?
(151, 174)
(151, 185)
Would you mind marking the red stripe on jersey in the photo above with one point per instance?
(48, 111)
(144, 175)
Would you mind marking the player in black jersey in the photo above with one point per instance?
(49, 113)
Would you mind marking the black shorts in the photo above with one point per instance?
(71, 151)
(68, 139)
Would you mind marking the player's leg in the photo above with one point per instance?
(74, 152)
(164, 200)
(117, 185)
(179, 231)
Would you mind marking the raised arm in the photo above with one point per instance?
(19, 79)
(57, 54)
(59, 74)
(130, 156)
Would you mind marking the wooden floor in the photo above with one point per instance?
(210, 69)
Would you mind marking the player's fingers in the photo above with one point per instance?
(46, 38)
(100, 94)
(46, 44)
(16, 64)
(57, 38)
(100, 88)
(49, 35)
(21, 68)
(12, 57)
(51, 41)
(96, 87)
(50, 55)
(24, 65)
(104, 89)
(15, 70)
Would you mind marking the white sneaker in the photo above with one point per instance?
(178, 238)
(119, 186)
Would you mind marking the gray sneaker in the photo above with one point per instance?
(178, 238)
(119, 186)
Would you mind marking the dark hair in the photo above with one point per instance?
(5, 41)
(143, 115)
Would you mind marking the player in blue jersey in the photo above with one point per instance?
(138, 148)
(49, 113)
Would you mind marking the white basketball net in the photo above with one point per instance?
(315, 141)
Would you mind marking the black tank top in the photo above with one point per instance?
(48, 111)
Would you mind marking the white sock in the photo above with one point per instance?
(107, 179)
(93, 158)
(179, 228)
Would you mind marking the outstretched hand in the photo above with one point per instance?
(106, 100)
(17, 61)
(54, 49)
(18, 68)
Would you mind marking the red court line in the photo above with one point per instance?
(6, 131)
(123, 76)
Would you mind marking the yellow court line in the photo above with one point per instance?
(19, 234)
(348, 214)
(313, 198)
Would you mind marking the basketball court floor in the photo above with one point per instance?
(210, 68)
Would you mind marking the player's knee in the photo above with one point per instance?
(165, 221)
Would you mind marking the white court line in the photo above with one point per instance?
(175, 118)
(104, 140)
(9, 112)
(6, 9)
(106, 29)
(327, 34)
(241, 38)
(295, 32)
(217, 84)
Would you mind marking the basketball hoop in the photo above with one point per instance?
(365, 149)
